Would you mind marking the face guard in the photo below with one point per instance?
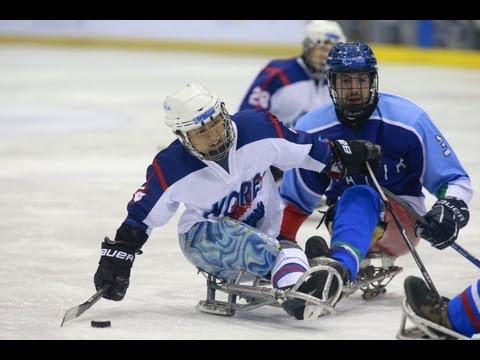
(200, 121)
(353, 82)
(212, 140)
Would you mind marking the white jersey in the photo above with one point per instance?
(246, 192)
(286, 89)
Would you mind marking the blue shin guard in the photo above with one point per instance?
(357, 213)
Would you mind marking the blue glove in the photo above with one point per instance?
(444, 220)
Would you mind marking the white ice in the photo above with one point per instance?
(79, 126)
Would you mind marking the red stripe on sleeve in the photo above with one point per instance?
(161, 177)
(283, 77)
(276, 123)
(469, 310)
(274, 72)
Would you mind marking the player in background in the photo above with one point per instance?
(460, 314)
(416, 155)
(289, 88)
(232, 206)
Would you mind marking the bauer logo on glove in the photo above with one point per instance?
(443, 222)
(117, 254)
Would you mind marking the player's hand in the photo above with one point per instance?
(444, 220)
(349, 158)
(114, 269)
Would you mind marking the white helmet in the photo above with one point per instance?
(324, 30)
(320, 32)
(192, 107)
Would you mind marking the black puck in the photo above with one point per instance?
(101, 324)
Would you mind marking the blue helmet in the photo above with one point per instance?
(353, 104)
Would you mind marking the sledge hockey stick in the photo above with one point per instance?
(76, 311)
(414, 253)
(422, 220)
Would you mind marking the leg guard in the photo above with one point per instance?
(228, 247)
(289, 265)
(464, 310)
(357, 213)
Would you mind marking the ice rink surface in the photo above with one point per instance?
(78, 128)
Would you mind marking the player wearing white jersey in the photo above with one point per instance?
(416, 155)
(289, 88)
(218, 168)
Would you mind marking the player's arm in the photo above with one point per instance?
(445, 178)
(118, 255)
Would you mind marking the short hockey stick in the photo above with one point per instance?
(414, 253)
(76, 311)
(422, 220)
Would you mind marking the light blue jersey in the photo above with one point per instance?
(415, 155)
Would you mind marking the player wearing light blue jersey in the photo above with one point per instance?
(460, 314)
(416, 155)
(218, 168)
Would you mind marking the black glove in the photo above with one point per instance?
(114, 269)
(444, 220)
(349, 158)
(117, 260)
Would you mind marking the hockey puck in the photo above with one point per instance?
(101, 324)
